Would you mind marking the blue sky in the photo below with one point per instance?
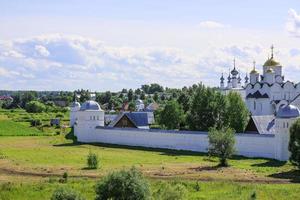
(108, 45)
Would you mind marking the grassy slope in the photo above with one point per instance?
(208, 190)
(11, 128)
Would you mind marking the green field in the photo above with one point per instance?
(31, 166)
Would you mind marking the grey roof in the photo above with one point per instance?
(90, 105)
(265, 124)
(137, 118)
(288, 111)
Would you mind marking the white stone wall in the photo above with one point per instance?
(250, 145)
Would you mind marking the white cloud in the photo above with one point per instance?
(211, 25)
(74, 62)
(293, 23)
(42, 51)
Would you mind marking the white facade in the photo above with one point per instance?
(273, 145)
(250, 145)
(89, 114)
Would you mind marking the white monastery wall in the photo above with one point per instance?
(250, 145)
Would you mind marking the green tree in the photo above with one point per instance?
(130, 95)
(131, 106)
(35, 107)
(294, 143)
(172, 115)
(221, 144)
(184, 101)
(237, 112)
(208, 109)
(155, 97)
(142, 96)
(123, 185)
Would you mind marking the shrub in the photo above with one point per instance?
(59, 115)
(170, 192)
(35, 107)
(125, 185)
(221, 144)
(64, 178)
(66, 194)
(92, 161)
(35, 122)
(253, 196)
(294, 142)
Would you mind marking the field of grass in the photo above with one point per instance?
(31, 166)
(208, 190)
(17, 123)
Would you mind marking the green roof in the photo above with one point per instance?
(271, 62)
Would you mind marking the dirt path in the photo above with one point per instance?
(158, 176)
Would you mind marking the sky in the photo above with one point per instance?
(114, 44)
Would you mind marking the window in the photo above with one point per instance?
(98, 118)
(254, 105)
(91, 118)
(94, 118)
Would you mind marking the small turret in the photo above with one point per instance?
(254, 75)
(222, 82)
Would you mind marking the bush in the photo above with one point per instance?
(66, 194)
(92, 161)
(59, 115)
(35, 107)
(64, 178)
(294, 142)
(35, 122)
(221, 144)
(170, 192)
(125, 185)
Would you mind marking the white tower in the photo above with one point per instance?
(285, 117)
(74, 108)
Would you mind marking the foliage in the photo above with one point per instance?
(237, 112)
(208, 108)
(35, 107)
(152, 88)
(130, 95)
(92, 160)
(294, 143)
(167, 191)
(184, 101)
(221, 144)
(172, 115)
(125, 185)
(155, 97)
(64, 193)
(35, 122)
(131, 106)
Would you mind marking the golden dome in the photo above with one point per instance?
(254, 71)
(271, 62)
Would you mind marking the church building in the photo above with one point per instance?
(268, 91)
